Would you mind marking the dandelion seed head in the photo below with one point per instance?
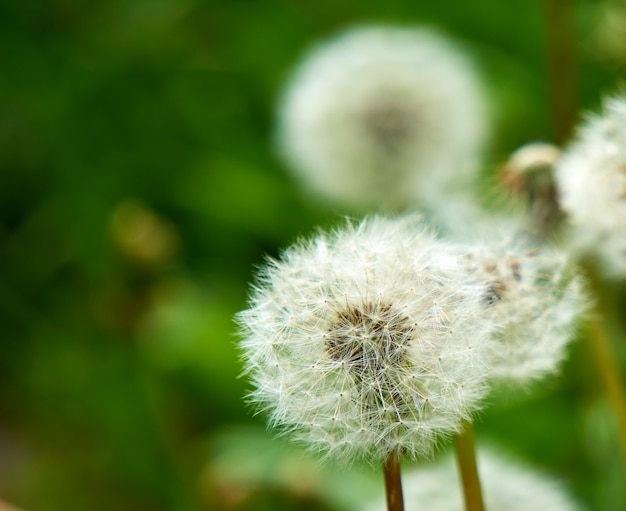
(367, 340)
(382, 116)
(591, 182)
(537, 299)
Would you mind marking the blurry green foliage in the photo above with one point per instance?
(118, 368)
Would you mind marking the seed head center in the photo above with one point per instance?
(388, 124)
(369, 338)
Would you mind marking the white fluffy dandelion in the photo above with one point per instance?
(367, 342)
(537, 299)
(383, 116)
(507, 486)
(591, 181)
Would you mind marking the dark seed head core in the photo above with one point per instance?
(369, 338)
(388, 124)
(497, 288)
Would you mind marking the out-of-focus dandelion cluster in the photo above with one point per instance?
(382, 338)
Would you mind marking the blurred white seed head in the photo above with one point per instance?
(383, 116)
(534, 295)
(591, 182)
(507, 486)
(367, 341)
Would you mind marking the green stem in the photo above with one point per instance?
(561, 68)
(609, 375)
(393, 484)
(604, 357)
(466, 461)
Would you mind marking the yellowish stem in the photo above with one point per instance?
(609, 375)
(603, 354)
(466, 461)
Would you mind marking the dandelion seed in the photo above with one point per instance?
(591, 181)
(393, 371)
(383, 116)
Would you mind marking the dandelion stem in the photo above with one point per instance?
(607, 368)
(609, 375)
(393, 484)
(466, 461)
(561, 67)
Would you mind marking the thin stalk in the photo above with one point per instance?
(610, 376)
(603, 354)
(393, 484)
(561, 62)
(466, 461)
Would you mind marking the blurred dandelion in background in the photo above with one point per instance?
(383, 116)
(591, 180)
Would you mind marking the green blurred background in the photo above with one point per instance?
(139, 187)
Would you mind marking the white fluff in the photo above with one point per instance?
(591, 180)
(367, 341)
(537, 299)
(383, 116)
